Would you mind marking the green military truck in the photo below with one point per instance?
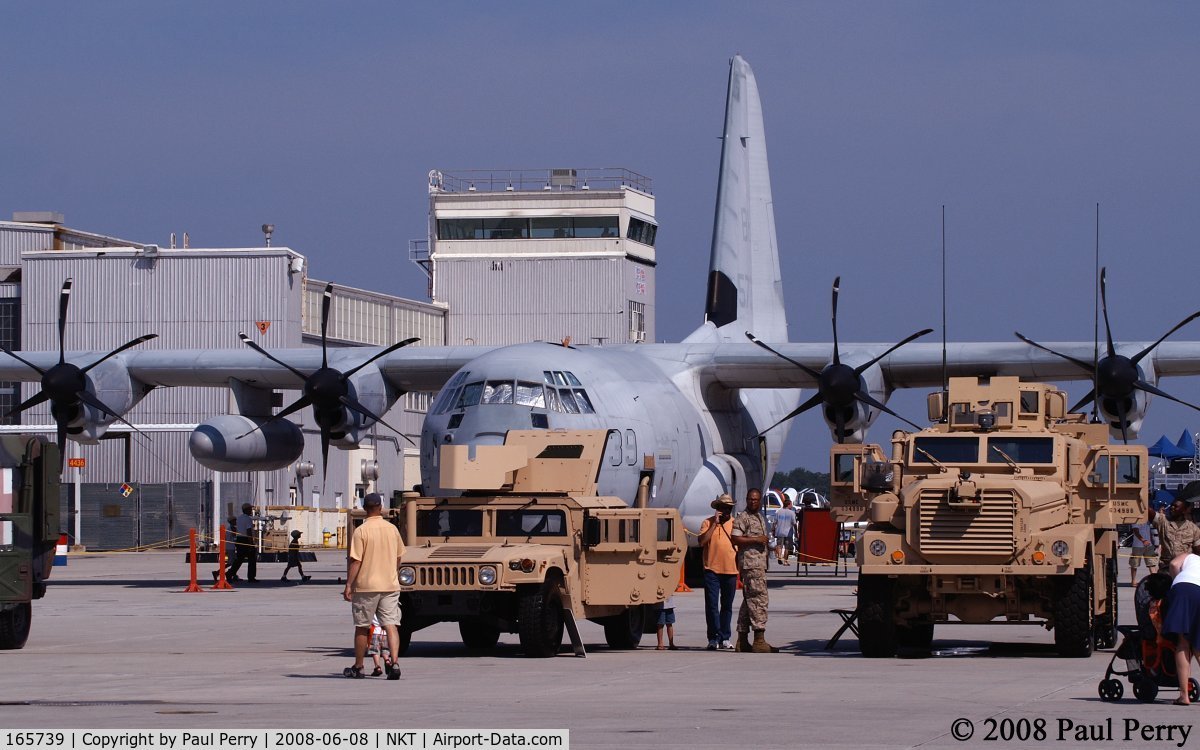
(29, 530)
(530, 548)
(1007, 510)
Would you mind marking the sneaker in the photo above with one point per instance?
(393, 671)
(283, 578)
(305, 579)
(712, 646)
(726, 646)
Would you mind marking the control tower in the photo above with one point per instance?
(541, 255)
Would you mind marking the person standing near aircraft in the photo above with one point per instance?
(247, 550)
(1177, 534)
(785, 524)
(1142, 551)
(373, 586)
(750, 538)
(720, 572)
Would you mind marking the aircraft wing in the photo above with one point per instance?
(916, 365)
(413, 368)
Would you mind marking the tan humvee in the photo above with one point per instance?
(1007, 510)
(530, 547)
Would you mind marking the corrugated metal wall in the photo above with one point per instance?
(507, 301)
(16, 239)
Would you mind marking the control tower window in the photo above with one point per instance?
(641, 231)
(553, 227)
(506, 229)
(460, 229)
(597, 226)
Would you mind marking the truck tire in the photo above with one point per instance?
(1106, 624)
(478, 635)
(624, 631)
(539, 619)
(14, 626)
(1074, 624)
(877, 616)
(917, 635)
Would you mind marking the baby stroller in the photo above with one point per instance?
(1149, 658)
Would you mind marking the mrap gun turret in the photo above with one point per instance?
(1007, 509)
(530, 547)
(29, 530)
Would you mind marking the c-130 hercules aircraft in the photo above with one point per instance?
(698, 418)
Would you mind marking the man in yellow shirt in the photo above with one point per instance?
(372, 585)
(720, 573)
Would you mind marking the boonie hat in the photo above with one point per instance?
(725, 501)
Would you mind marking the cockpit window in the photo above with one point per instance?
(560, 378)
(530, 523)
(548, 377)
(584, 403)
(498, 392)
(470, 395)
(572, 379)
(449, 394)
(568, 401)
(553, 402)
(530, 394)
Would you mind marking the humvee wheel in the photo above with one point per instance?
(1106, 624)
(14, 626)
(405, 639)
(478, 635)
(624, 631)
(876, 616)
(1074, 624)
(1110, 690)
(539, 618)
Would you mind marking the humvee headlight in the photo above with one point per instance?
(878, 547)
(1060, 548)
(487, 575)
(408, 576)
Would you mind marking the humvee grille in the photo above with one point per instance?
(987, 530)
(446, 576)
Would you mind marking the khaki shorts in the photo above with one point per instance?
(382, 604)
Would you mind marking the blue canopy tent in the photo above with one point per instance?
(1187, 444)
(1161, 499)
(1164, 448)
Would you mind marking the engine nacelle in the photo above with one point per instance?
(111, 383)
(1134, 404)
(215, 443)
(368, 387)
(857, 416)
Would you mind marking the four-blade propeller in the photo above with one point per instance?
(327, 390)
(64, 385)
(1114, 376)
(839, 385)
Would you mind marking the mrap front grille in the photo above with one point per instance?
(446, 576)
(986, 529)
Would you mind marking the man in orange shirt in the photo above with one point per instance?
(372, 585)
(720, 573)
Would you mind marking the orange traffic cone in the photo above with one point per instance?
(682, 588)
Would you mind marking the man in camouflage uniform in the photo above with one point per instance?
(1177, 534)
(750, 538)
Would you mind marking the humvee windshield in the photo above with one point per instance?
(947, 450)
(450, 522)
(1022, 450)
(530, 523)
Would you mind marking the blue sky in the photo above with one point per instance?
(142, 118)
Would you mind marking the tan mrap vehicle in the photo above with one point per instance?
(1006, 511)
(530, 547)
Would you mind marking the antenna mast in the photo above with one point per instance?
(945, 370)
(1096, 324)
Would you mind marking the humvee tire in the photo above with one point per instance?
(624, 631)
(478, 635)
(1106, 624)
(14, 626)
(918, 635)
(1074, 625)
(876, 616)
(540, 618)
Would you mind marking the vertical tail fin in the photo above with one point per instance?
(745, 291)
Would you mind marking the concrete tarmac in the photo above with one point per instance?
(117, 644)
